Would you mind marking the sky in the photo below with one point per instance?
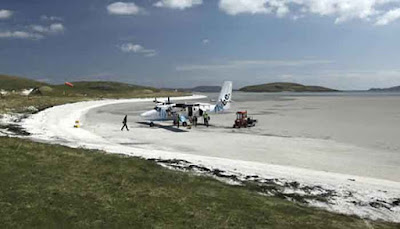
(342, 44)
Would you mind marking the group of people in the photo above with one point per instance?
(194, 119)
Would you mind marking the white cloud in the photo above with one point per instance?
(205, 41)
(135, 48)
(37, 32)
(4, 14)
(21, 35)
(379, 11)
(124, 8)
(388, 17)
(39, 28)
(54, 28)
(234, 7)
(50, 18)
(178, 4)
(33, 32)
(252, 63)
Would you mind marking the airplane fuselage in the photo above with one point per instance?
(169, 112)
(183, 111)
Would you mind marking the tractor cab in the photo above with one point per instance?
(243, 121)
(241, 115)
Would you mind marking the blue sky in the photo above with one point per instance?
(344, 44)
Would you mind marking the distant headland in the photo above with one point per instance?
(285, 87)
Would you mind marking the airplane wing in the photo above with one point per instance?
(170, 128)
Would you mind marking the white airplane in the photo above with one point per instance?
(165, 111)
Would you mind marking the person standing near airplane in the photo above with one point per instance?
(195, 120)
(206, 118)
(177, 120)
(125, 121)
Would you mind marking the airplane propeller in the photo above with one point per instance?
(168, 101)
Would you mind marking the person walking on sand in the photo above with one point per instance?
(125, 121)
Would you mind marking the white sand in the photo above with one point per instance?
(313, 140)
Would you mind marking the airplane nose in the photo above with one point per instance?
(147, 114)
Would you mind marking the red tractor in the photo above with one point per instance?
(243, 121)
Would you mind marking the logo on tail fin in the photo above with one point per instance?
(224, 97)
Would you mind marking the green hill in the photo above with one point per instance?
(103, 87)
(207, 89)
(81, 88)
(47, 95)
(390, 89)
(285, 87)
(106, 86)
(201, 89)
(9, 83)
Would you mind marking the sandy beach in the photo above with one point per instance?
(319, 133)
(315, 139)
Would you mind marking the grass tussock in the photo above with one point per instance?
(45, 185)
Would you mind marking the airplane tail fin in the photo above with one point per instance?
(225, 97)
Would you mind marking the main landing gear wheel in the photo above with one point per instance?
(151, 124)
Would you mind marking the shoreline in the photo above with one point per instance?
(361, 196)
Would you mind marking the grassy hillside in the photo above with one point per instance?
(59, 187)
(107, 86)
(207, 89)
(87, 88)
(200, 89)
(285, 87)
(51, 95)
(17, 83)
(102, 89)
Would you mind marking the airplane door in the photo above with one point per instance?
(190, 111)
